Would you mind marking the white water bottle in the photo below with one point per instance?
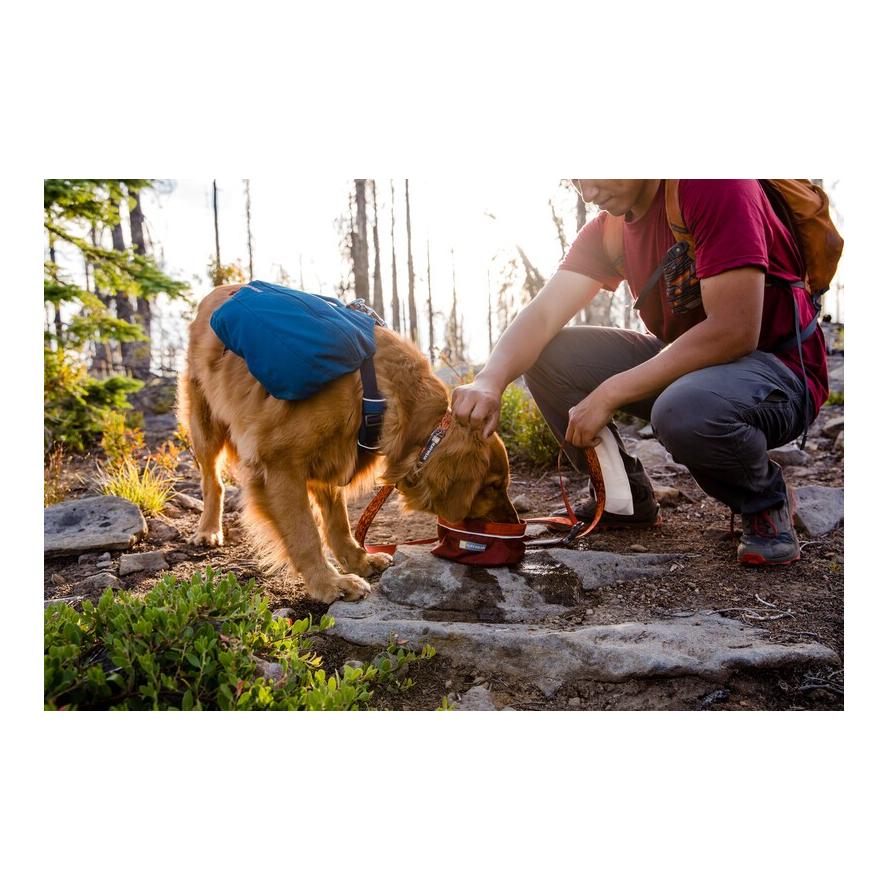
(618, 497)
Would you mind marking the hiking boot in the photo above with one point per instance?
(768, 538)
(645, 515)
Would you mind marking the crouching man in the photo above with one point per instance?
(733, 364)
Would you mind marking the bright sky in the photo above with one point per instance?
(295, 220)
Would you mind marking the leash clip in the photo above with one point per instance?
(573, 534)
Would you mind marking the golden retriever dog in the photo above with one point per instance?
(292, 455)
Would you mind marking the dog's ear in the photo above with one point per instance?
(456, 471)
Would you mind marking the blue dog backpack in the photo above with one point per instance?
(294, 343)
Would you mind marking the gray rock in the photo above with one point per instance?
(152, 562)
(160, 530)
(522, 503)
(706, 645)
(790, 455)
(268, 670)
(93, 523)
(286, 613)
(56, 579)
(172, 511)
(98, 583)
(477, 698)
(646, 432)
(573, 702)
(186, 501)
(835, 378)
(839, 444)
(638, 548)
(654, 456)
(596, 569)
(86, 559)
(232, 497)
(832, 428)
(819, 509)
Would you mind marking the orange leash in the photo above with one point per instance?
(576, 528)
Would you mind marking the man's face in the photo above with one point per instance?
(617, 196)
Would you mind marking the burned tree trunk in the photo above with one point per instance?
(411, 301)
(396, 305)
(359, 243)
(140, 352)
(249, 230)
(378, 306)
(429, 305)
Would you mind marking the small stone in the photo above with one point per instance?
(574, 702)
(268, 670)
(819, 509)
(668, 496)
(172, 511)
(790, 455)
(638, 548)
(86, 559)
(188, 502)
(479, 680)
(57, 579)
(160, 530)
(177, 556)
(448, 683)
(355, 665)
(152, 562)
(98, 583)
(646, 431)
(477, 698)
(522, 503)
(286, 613)
(833, 428)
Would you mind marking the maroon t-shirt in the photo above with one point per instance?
(733, 225)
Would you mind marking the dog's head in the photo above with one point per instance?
(466, 477)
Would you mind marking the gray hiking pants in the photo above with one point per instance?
(719, 421)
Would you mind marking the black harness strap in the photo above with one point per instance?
(373, 405)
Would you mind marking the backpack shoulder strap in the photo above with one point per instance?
(613, 242)
(674, 215)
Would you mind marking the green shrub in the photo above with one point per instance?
(119, 440)
(208, 643)
(836, 398)
(74, 403)
(150, 489)
(524, 431)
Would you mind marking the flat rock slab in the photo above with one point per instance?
(494, 620)
(93, 523)
(544, 585)
(819, 509)
(152, 562)
(705, 645)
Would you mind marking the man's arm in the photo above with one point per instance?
(733, 303)
(563, 296)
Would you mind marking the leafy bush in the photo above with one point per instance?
(208, 643)
(524, 431)
(75, 404)
(836, 398)
(119, 441)
(150, 489)
(167, 456)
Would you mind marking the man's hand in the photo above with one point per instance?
(589, 417)
(478, 405)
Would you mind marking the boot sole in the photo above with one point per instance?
(758, 561)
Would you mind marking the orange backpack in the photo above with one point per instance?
(800, 204)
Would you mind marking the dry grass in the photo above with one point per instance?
(150, 489)
(55, 487)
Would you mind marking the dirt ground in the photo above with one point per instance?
(800, 602)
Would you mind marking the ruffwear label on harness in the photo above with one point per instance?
(472, 546)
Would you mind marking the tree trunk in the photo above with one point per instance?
(396, 306)
(249, 231)
(411, 301)
(429, 305)
(560, 229)
(216, 224)
(140, 352)
(378, 306)
(57, 318)
(581, 212)
(122, 303)
(103, 361)
(359, 242)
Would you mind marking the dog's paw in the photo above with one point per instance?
(206, 538)
(373, 563)
(341, 586)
